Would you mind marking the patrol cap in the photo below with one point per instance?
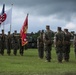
(8, 31)
(41, 32)
(47, 26)
(2, 30)
(59, 28)
(66, 30)
(15, 31)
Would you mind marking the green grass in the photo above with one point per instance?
(30, 64)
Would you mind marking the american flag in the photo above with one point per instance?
(3, 15)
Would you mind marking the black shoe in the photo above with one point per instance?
(60, 61)
(67, 60)
(48, 60)
(2, 54)
(21, 54)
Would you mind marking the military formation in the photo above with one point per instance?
(60, 40)
(45, 41)
(10, 41)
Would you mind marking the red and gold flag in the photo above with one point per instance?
(23, 32)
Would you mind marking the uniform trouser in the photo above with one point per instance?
(41, 52)
(15, 48)
(59, 51)
(48, 52)
(66, 53)
(9, 49)
(15, 51)
(2, 49)
(75, 51)
(21, 50)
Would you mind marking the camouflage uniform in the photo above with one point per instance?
(75, 45)
(59, 37)
(67, 45)
(8, 43)
(48, 43)
(40, 45)
(21, 47)
(15, 44)
(2, 42)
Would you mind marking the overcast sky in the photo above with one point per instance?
(41, 13)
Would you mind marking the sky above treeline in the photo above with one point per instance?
(55, 13)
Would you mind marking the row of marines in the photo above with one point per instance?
(61, 43)
(10, 41)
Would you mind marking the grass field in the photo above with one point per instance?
(30, 64)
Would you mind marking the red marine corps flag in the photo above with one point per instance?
(23, 32)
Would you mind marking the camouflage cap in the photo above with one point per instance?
(8, 31)
(15, 31)
(2, 29)
(66, 30)
(59, 28)
(41, 32)
(47, 26)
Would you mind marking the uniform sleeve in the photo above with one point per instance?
(37, 42)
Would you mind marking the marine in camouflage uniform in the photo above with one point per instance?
(75, 45)
(48, 42)
(21, 47)
(15, 44)
(59, 37)
(40, 45)
(9, 43)
(67, 44)
(2, 42)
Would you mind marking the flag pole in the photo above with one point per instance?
(11, 23)
(3, 25)
(3, 13)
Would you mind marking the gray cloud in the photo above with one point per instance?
(61, 9)
(44, 7)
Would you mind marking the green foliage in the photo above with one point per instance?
(30, 64)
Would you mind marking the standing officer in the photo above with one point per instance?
(67, 45)
(2, 42)
(75, 44)
(40, 45)
(48, 42)
(15, 43)
(9, 43)
(59, 38)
